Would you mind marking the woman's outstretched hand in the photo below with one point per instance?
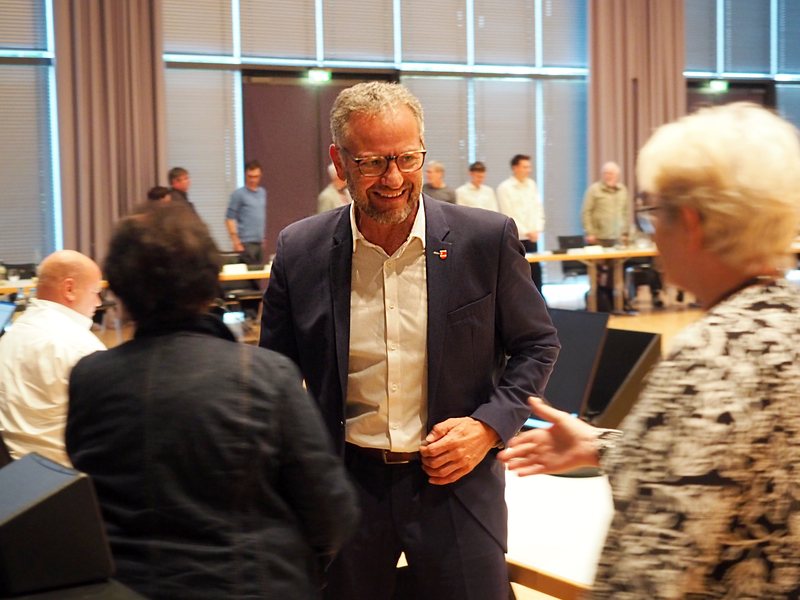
(566, 445)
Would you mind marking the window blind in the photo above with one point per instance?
(505, 125)
(435, 32)
(26, 227)
(362, 31)
(445, 108)
(198, 27)
(22, 25)
(565, 160)
(701, 35)
(201, 139)
(279, 29)
(789, 36)
(505, 32)
(747, 36)
(564, 33)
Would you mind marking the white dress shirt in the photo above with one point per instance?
(36, 357)
(387, 382)
(478, 197)
(520, 201)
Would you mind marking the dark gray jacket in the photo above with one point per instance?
(212, 466)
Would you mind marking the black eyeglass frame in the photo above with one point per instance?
(388, 160)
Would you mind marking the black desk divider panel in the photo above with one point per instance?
(581, 335)
(107, 590)
(51, 531)
(626, 360)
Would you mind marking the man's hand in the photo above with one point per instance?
(590, 240)
(238, 246)
(455, 447)
(565, 446)
(533, 236)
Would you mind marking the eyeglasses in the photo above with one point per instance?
(645, 209)
(375, 166)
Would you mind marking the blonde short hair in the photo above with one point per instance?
(371, 98)
(739, 166)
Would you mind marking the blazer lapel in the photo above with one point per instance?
(438, 262)
(341, 261)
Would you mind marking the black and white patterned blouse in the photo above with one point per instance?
(706, 495)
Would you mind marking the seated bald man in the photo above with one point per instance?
(38, 352)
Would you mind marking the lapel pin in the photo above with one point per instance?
(441, 253)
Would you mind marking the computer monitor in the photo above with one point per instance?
(627, 358)
(582, 335)
(6, 315)
(566, 242)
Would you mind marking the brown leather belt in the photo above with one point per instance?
(387, 456)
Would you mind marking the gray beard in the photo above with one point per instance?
(391, 217)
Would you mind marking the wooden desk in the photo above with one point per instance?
(9, 288)
(27, 285)
(260, 274)
(617, 258)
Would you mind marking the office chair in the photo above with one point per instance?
(24, 270)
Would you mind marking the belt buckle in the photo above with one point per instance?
(385, 453)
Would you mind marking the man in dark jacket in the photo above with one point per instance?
(419, 332)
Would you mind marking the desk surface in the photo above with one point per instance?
(607, 253)
(27, 284)
(558, 525)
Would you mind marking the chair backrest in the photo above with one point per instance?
(24, 270)
(5, 455)
(572, 267)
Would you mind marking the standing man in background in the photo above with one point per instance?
(179, 184)
(246, 218)
(474, 193)
(606, 208)
(518, 197)
(436, 187)
(335, 194)
(38, 352)
(419, 333)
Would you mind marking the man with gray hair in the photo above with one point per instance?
(606, 208)
(420, 334)
(335, 194)
(38, 352)
(436, 187)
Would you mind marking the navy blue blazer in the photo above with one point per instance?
(491, 343)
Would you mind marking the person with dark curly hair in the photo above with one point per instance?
(212, 466)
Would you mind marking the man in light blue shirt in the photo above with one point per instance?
(246, 217)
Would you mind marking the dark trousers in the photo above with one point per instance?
(253, 253)
(536, 268)
(450, 555)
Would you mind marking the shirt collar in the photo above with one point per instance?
(604, 185)
(523, 183)
(74, 316)
(417, 229)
